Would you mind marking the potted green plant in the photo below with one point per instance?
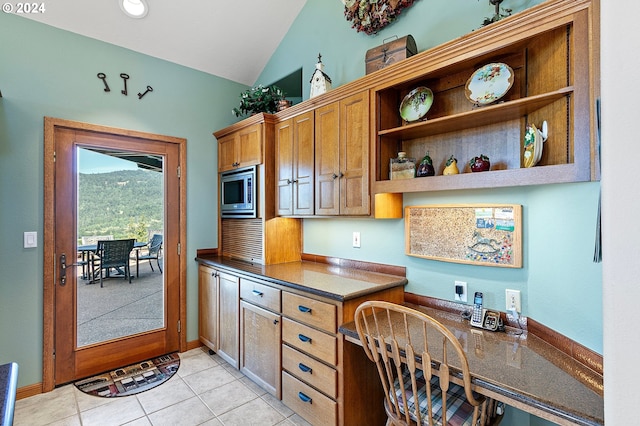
(259, 99)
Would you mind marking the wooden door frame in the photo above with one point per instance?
(49, 261)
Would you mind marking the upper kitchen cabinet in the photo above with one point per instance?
(553, 54)
(294, 157)
(342, 156)
(241, 146)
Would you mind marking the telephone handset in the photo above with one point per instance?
(481, 317)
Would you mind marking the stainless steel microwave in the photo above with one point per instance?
(238, 193)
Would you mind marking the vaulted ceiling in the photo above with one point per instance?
(233, 39)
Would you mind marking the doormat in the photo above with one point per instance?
(133, 379)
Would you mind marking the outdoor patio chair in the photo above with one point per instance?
(154, 251)
(113, 254)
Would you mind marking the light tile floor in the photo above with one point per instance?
(205, 391)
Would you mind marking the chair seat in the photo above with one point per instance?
(459, 411)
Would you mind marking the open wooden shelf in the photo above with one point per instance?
(481, 116)
(553, 82)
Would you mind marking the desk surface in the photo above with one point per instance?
(523, 371)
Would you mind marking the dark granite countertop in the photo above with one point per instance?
(524, 368)
(330, 281)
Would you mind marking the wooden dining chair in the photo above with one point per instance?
(422, 366)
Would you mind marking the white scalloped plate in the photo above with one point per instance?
(489, 83)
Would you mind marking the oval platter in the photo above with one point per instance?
(489, 83)
(416, 104)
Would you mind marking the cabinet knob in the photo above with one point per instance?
(304, 338)
(304, 368)
(304, 398)
(335, 176)
(295, 181)
(275, 322)
(288, 181)
(304, 309)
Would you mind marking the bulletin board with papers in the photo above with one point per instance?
(478, 234)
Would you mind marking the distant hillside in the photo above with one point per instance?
(125, 203)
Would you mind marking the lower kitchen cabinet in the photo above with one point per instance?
(286, 340)
(208, 307)
(260, 347)
(228, 318)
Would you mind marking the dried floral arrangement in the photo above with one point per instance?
(370, 16)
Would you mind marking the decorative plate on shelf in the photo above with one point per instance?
(415, 105)
(489, 83)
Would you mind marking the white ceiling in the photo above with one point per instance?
(233, 39)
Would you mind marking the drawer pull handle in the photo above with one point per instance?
(304, 338)
(304, 368)
(304, 398)
(304, 309)
(257, 293)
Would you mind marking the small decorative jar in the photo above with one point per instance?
(402, 167)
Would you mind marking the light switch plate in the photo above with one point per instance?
(356, 239)
(30, 239)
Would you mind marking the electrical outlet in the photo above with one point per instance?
(513, 300)
(356, 239)
(460, 297)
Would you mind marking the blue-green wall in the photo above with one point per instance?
(49, 72)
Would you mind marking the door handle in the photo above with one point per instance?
(63, 269)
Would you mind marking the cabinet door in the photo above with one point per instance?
(260, 347)
(241, 148)
(284, 168)
(228, 311)
(354, 155)
(250, 145)
(208, 306)
(327, 159)
(227, 153)
(303, 164)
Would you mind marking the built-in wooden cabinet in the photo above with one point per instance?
(342, 157)
(554, 81)
(208, 307)
(294, 163)
(260, 334)
(228, 318)
(241, 148)
(290, 346)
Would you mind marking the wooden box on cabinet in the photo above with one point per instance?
(552, 82)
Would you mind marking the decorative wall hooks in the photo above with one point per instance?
(124, 76)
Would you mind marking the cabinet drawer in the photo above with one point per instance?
(260, 294)
(307, 402)
(310, 370)
(309, 340)
(310, 311)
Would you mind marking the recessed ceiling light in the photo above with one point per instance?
(134, 8)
